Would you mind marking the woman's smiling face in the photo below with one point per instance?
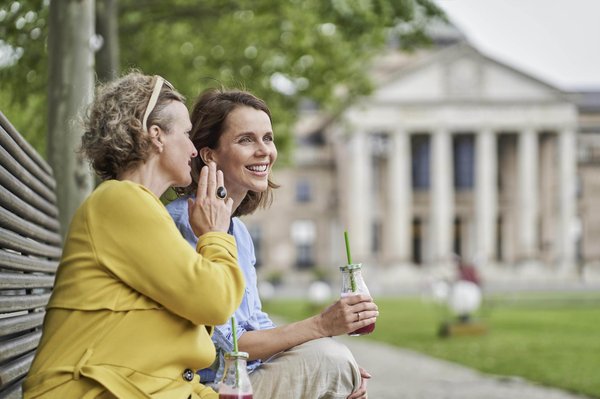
(245, 152)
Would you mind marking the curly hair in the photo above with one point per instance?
(209, 117)
(114, 139)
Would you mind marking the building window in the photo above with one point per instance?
(303, 191)
(417, 241)
(257, 238)
(464, 161)
(304, 235)
(420, 150)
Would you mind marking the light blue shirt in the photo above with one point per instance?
(249, 316)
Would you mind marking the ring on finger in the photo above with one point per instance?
(358, 316)
(221, 192)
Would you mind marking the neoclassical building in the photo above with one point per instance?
(453, 153)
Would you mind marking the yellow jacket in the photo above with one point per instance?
(132, 306)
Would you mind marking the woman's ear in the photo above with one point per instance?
(206, 155)
(155, 137)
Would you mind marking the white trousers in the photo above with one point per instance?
(319, 369)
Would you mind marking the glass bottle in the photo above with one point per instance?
(353, 284)
(235, 383)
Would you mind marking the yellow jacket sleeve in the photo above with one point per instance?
(134, 237)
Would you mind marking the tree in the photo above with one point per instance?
(285, 51)
(24, 68)
(70, 89)
(107, 27)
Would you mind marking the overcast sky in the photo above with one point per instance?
(558, 41)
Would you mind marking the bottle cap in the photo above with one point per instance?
(236, 355)
(353, 266)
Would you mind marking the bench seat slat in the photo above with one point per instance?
(25, 176)
(26, 194)
(24, 263)
(14, 303)
(16, 242)
(24, 145)
(24, 158)
(18, 206)
(14, 369)
(15, 347)
(16, 324)
(14, 390)
(22, 280)
(14, 223)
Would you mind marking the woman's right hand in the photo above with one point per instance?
(208, 212)
(348, 314)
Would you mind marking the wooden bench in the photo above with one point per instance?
(30, 248)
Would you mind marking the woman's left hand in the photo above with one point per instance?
(208, 212)
(361, 392)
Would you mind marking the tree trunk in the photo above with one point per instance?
(70, 90)
(107, 26)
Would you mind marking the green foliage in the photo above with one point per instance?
(320, 50)
(23, 67)
(552, 339)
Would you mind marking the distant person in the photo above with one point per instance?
(467, 271)
(133, 304)
(295, 361)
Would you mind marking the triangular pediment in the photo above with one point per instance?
(461, 73)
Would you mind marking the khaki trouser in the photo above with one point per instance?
(323, 368)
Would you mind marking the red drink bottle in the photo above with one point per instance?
(354, 284)
(235, 383)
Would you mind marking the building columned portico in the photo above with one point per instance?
(480, 163)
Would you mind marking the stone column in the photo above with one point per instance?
(527, 205)
(486, 196)
(442, 195)
(359, 200)
(567, 239)
(398, 224)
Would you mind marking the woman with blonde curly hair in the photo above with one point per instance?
(133, 304)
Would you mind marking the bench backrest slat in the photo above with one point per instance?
(30, 249)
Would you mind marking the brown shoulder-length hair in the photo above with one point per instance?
(209, 119)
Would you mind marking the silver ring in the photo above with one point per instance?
(358, 316)
(221, 192)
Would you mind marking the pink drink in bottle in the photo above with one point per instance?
(354, 284)
(235, 383)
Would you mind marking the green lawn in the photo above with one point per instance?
(553, 339)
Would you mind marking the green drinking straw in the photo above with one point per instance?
(352, 282)
(233, 329)
(235, 350)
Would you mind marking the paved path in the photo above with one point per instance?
(404, 374)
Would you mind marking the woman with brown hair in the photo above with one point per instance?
(233, 129)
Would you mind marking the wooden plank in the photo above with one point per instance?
(20, 345)
(14, 303)
(22, 191)
(21, 208)
(25, 280)
(11, 240)
(25, 155)
(19, 262)
(25, 176)
(16, 324)
(13, 391)
(15, 369)
(26, 228)
(14, 223)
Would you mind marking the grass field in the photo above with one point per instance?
(550, 338)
